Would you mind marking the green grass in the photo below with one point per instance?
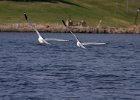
(90, 10)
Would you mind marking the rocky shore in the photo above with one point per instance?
(59, 28)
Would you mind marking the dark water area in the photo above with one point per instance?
(62, 71)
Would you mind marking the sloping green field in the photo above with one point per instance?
(111, 12)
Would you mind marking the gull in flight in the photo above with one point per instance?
(41, 40)
(79, 44)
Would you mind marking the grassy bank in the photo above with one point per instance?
(111, 12)
(58, 28)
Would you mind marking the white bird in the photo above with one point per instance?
(40, 38)
(79, 44)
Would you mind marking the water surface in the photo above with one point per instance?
(62, 71)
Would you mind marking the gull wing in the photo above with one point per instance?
(56, 39)
(93, 43)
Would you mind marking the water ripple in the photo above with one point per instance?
(62, 71)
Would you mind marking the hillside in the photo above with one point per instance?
(111, 12)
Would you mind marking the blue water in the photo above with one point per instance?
(62, 71)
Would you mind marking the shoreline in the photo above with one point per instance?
(59, 28)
